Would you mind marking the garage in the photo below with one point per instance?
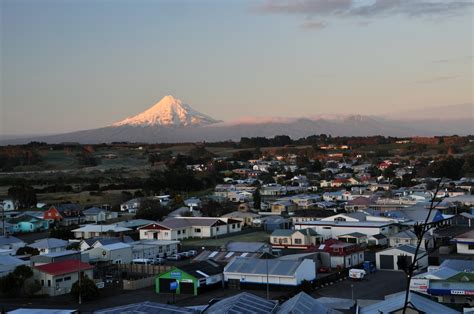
(386, 262)
(165, 285)
(186, 287)
(389, 258)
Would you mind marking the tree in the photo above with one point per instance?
(76, 246)
(13, 284)
(306, 286)
(389, 173)
(87, 289)
(420, 230)
(64, 233)
(27, 250)
(23, 194)
(151, 209)
(257, 199)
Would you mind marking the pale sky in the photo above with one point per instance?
(68, 65)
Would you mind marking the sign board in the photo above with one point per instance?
(450, 292)
(175, 274)
(420, 285)
(173, 285)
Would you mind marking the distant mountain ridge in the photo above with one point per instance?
(172, 121)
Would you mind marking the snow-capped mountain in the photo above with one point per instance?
(169, 112)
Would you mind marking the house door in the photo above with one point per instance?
(386, 262)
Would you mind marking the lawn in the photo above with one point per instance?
(257, 236)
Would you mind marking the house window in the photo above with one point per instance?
(166, 233)
(59, 280)
(197, 230)
(49, 283)
(217, 228)
(179, 231)
(298, 241)
(233, 226)
(184, 231)
(470, 246)
(285, 240)
(326, 227)
(340, 219)
(336, 249)
(42, 282)
(275, 240)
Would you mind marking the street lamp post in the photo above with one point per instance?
(352, 291)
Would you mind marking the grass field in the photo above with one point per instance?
(257, 236)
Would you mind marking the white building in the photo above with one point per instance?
(183, 227)
(8, 205)
(465, 243)
(242, 271)
(388, 259)
(91, 231)
(11, 243)
(333, 229)
(57, 278)
(50, 245)
(117, 253)
(153, 248)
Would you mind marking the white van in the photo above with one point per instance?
(142, 261)
(357, 274)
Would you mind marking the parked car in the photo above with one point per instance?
(192, 253)
(174, 257)
(324, 269)
(183, 254)
(159, 261)
(142, 261)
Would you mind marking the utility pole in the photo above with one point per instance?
(3, 219)
(80, 287)
(268, 284)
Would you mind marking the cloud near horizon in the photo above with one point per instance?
(315, 10)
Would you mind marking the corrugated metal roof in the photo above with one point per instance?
(276, 267)
(146, 307)
(243, 303)
(396, 303)
(282, 233)
(405, 248)
(49, 243)
(304, 304)
(246, 246)
(459, 265)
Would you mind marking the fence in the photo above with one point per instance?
(140, 276)
(322, 281)
(143, 269)
(139, 283)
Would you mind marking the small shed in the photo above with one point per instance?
(190, 278)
